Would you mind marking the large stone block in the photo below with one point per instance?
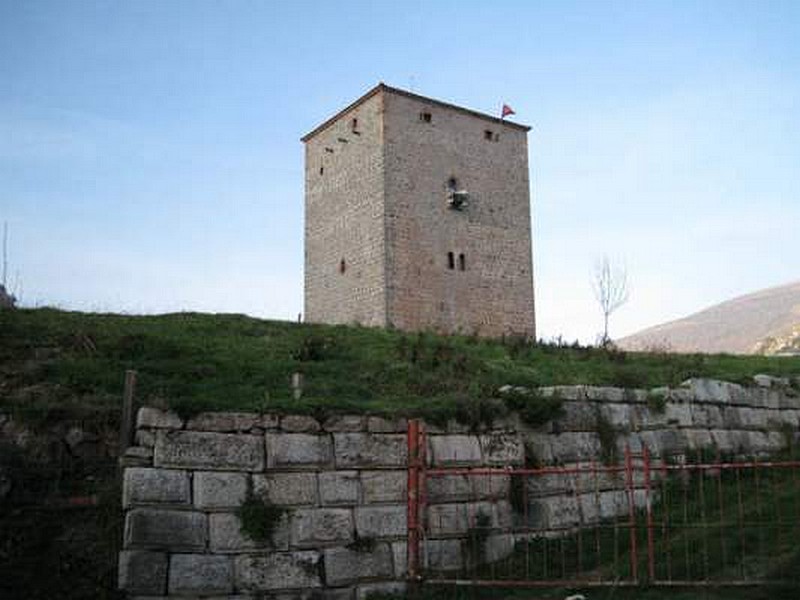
(451, 519)
(400, 559)
(224, 422)
(678, 413)
(575, 446)
(448, 488)
(218, 490)
(340, 423)
(225, 535)
(299, 424)
(200, 574)
(578, 416)
(370, 450)
(381, 425)
(167, 529)
(280, 571)
(343, 566)
(339, 487)
(753, 418)
(287, 489)
(313, 526)
(155, 418)
(209, 451)
(385, 486)
(142, 485)
(298, 450)
(488, 487)
(443, 555)
(711, 390)
(707, 416)
(381, 521)
(143, 572)
(619, 416)
(455, 450)
(502, 449)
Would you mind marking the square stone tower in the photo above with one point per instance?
(417, 216)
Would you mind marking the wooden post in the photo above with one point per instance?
(297, 385)
(126, 424)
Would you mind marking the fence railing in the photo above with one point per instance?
(689, 519)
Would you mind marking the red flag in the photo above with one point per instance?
(507, 110)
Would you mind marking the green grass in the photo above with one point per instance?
(54, 362)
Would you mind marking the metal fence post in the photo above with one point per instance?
(413, 499)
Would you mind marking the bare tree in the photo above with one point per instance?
(610, 285)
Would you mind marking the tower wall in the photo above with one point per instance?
(493, 295)
(344, 219)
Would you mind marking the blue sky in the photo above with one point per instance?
(150, 157)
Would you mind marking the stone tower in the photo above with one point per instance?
(417, 216)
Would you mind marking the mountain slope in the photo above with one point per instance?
(766, 321)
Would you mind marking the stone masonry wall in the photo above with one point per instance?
(343, 485)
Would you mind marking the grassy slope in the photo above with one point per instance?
(59, 361)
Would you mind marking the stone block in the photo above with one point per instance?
(575, 446)
(200, 574)
(502, 449)
(455, 450)
(136, 456)
(224, 422)
(448, 488)
(219, 490)
(731, 417)
(679, 414)
(366, 450)
(155, 418)
(313, 526)
(699, 439)
(400, 559)
(578, 416)
(339, 423)
(209, 451)
(270, 421)
(381, 521)
(298, 450)
(605, 394)
(707, 416)
(381, 425)
(339, 487)
(279, 571)
(145, 438)
(489, 487)
(538, 450)
(722, 440)
(299, 424)
(143, 485)
(385, 486)
(565, 392)
(753, 418)
(143, 572)
(711, 390)
(343, 566)
(367, 591)
(225, 535)
(456, 519)
(498, 546)
(167, 529)
(286, 489)
(554, 511)
(619, 416)
(443, 555)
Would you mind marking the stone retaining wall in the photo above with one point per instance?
(343, 486)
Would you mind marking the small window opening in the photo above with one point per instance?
(354, 125)
(342, 266)
(425, 117)
(488, 135)
(452, 184)
(462, 263)
(451, 261)
(321, 170)
(329, 150)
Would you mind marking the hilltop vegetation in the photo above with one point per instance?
(52, 362)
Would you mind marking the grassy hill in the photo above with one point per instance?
(54, 362)
(762, 322)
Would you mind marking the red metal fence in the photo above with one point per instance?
(679, 520)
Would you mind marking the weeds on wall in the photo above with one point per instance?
(607, 435)
(259, 518)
